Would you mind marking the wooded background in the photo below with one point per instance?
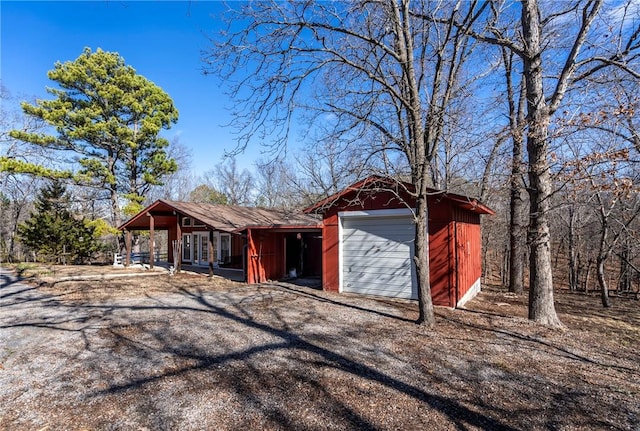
(530, 107)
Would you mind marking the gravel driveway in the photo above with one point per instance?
(195, 356)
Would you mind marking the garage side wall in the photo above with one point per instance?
(441, 269)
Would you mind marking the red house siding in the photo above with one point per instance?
(330, 253)
(271, 254)
(237, 251)
(468, 253)
(265, 256)
(439, 263)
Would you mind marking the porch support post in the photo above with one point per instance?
(152, 250)
(179, 238)
(210, 254)
(249, 259)
(127, 247)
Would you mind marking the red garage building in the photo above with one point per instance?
(368, 242)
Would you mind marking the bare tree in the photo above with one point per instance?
(611, 182)
(177, 185)
(233, 183)
(275, 185)
(561, 45)
(383, 71)
(516, 99)
(17, 190)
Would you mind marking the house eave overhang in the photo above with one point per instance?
(282, 228)
(377, 182)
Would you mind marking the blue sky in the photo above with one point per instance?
(162, 40)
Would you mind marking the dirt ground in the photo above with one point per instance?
(191, 353)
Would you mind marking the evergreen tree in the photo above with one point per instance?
(109, 118)
(52, 230)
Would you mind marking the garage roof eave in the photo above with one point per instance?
(465, 202)
(469, 204)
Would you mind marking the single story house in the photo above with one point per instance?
(260, 243)
(362, 244)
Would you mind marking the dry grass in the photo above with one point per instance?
(189, 352)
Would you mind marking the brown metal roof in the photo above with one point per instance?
(226, 218)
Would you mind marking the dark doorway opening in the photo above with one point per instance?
(303, 254)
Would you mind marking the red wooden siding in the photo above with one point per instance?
(439, 263)
(330, 253)
(172, 236)
(265, 256)
(271, 254)
(237, 250)
(468, 253)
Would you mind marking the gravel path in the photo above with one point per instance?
(195, 356)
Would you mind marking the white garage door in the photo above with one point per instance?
(377, 254)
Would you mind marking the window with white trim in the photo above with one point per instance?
(225, 248)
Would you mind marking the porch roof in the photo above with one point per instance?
(225, 218)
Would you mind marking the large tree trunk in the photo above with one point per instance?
(517, 223)
(541, 307)
(518, 220)
(421, 260)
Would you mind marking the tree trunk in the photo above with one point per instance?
(506, 266)
(624, 283)
(588, 275)
(517, 223)
(421, 260)
(602, 258)
(604, 289)
(573, 258)
(518, 218)
(541, 307)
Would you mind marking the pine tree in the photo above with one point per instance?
(52, 230)
(110, 118)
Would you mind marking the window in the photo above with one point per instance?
(186, 221)
(214, 247)
(186, 247)
(225, 248)
(204, 243)
(197, 223)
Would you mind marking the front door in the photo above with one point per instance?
(195, 248)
